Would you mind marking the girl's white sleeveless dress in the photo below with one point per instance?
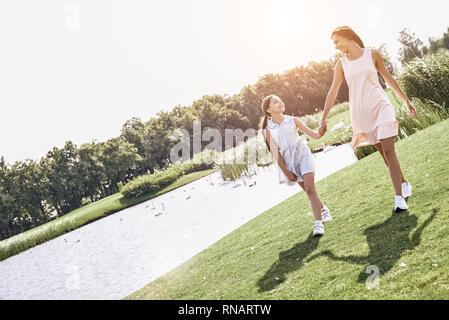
(296, 154)
(372, 115)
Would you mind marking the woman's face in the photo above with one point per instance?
(276, 105)
(340, 43)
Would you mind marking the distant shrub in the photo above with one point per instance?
(313, 120)
(428, 78)
(427, 114)
(151, 183)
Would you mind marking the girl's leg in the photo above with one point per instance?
(309, 188)
(381, 151)
(393, 164)
(304, 188)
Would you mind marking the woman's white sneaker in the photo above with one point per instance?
(406, 189)
(399, 204)
(318, 229)
(325, 214)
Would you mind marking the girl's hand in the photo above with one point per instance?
(411, 110)
(291, 176)
(317, 135)
(323, 128)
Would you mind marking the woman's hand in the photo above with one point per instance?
(411, 110)
(291, 176)
(323, 128)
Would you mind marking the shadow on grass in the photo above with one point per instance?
(289, 261)
(387, 241)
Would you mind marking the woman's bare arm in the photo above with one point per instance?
(332, 94)
(380, 65)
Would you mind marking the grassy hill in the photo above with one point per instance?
(274, 255)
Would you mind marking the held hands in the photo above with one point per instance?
(323, 128)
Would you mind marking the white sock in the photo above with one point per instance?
(318, 222)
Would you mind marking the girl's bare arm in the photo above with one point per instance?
(304, 128)
(275, 151)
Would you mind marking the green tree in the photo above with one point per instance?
(66, 188)
(30, 184)
(117, 157)
(91, 169)
(249, 104)
(446, 39)
(411, 47)
(8, 206)
(133, 131)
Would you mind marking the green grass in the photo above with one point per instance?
(85, 215)
(274, 256)
(343, 135)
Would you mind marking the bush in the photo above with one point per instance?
(427, 114)
(190, 166)
(313, 120)
(362, 152)
(428, 78)
(160, 178)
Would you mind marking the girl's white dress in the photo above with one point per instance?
(296, 154)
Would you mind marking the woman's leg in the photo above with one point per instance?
(393, 164)
(304, 188)
(379, 148)
(381, 151)
(309, 188)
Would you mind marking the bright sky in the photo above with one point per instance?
(77, 70)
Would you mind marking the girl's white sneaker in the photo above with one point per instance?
(399, 204)
(325, 214)
(318, 230)
(406, 189)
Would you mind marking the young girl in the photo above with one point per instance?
(372, 115)
(292, 155)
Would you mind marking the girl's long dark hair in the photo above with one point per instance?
(264, 121)
(348, 33)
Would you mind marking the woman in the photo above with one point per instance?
(372, 115)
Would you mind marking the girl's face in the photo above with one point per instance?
(340, 43)
(276, 105)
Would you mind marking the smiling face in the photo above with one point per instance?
(277, 106)
(340, 43)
